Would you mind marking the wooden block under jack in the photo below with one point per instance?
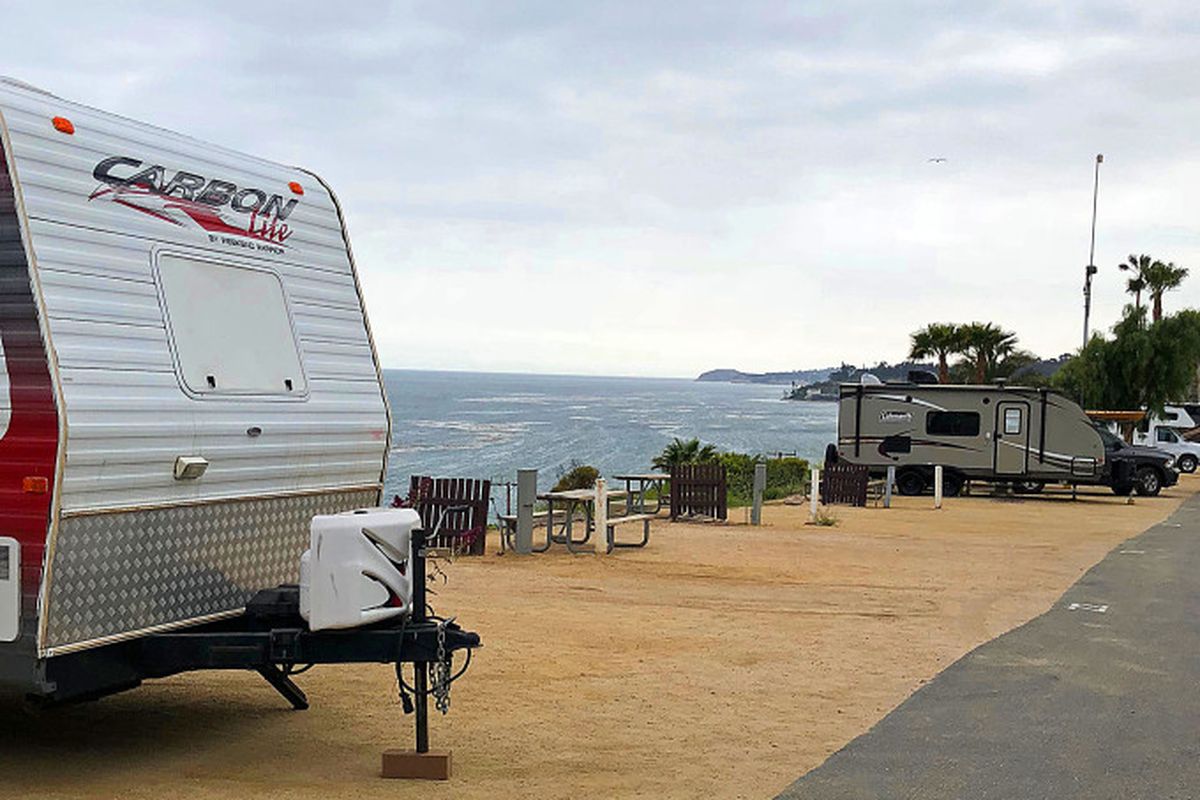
(431, 766)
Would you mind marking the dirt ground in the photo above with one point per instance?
(721, 661)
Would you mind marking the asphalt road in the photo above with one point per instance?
(1097, 698)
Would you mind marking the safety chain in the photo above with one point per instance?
(441, 671)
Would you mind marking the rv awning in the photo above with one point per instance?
(1117, 416)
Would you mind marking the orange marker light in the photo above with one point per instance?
(35, 485)
(63, 125)
(296, 188)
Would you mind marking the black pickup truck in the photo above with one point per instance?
(1129, 467)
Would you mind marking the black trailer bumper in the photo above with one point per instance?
(269, 636)
(171, 653)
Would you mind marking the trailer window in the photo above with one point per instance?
(952, 423)
(1012, 421)
(230, 328)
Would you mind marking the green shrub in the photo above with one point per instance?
(785, 476)
(580, 476)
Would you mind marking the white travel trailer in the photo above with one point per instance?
(1026, 437)
(188, 378)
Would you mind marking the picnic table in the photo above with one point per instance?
(570, 500)
(562, 505)
(658, 480)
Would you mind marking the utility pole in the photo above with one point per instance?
(1090, 269)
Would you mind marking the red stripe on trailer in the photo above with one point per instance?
(29, 445)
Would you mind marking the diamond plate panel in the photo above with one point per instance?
(121, 572)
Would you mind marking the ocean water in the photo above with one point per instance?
(488, 425)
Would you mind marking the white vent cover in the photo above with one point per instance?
(10, 589)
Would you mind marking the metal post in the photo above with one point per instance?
(420, 668)
(1090, 269)
(526, 497)
(813, 492)
(937, 486)
(600, 517)
(760, 485)
(887, 486)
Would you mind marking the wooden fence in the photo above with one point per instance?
(460, 505)
(844, 483)
(698, 490)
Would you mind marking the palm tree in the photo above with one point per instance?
(941, 339)
(985, 345)
(1160, 278)
(1138, 265)
(681, 452)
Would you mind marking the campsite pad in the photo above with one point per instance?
(1095, 698)
(719, 662)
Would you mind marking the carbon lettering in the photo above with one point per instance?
(257, 196)
(103, 170)
(189, 199)
(279, 208)
(150, 178)
(186, 183)
(217, 193)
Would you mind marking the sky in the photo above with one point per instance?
(652, 188)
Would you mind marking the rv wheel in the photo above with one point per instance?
(1187, 463)
(1147, 482)
(1028, 487)
(910, 482)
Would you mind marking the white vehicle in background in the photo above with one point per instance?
(1165, 432)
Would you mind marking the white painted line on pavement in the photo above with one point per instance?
(1093, 607)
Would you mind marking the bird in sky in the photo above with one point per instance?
(937, 160)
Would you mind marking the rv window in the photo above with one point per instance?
(1167, 435)
(1012, 421)
(952, 423)
(230, 328)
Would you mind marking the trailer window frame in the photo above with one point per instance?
(293, 390)
(953, 423)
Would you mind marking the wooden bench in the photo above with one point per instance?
(453, 510)
(613, 522)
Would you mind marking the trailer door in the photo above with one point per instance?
(1011, 440)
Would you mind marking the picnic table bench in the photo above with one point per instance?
(508, 527)
(658, 480)
(570, 501)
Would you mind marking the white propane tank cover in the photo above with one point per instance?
(867, 379)
(356, 571)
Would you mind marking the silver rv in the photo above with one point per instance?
(1024, 436)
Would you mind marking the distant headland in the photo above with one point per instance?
(771, 378)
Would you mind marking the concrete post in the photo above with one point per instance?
(600, 517)
(814, 493)
(760, 485)
(937, 486)
(526, 497)
(887, 486)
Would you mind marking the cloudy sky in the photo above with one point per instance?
(652, 188)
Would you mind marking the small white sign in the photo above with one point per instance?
(895, 416)
(1096, 608)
